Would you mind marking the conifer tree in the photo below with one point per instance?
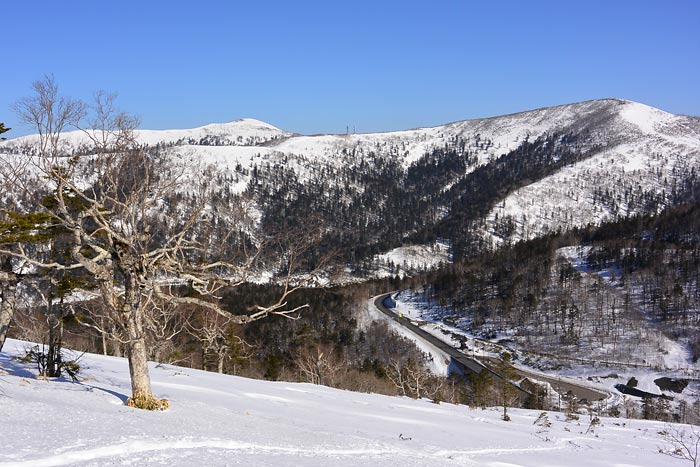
(3, 130)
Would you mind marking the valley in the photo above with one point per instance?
(378, 234)
(564, 237)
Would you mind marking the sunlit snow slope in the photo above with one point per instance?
(218, 420)
(637, 157)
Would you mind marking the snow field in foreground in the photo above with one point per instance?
(221, 420)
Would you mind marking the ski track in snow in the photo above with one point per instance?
(132, 448)
(136, 447)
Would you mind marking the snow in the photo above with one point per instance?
(639, 150)
(413, 257)
(218, 420)
(644, 150)
(238, 132)
(671, 357)
(667, 353)
(647, 119)
(241, 132)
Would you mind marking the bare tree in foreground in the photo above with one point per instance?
(136, 242)
(682, 443)
(50, 114)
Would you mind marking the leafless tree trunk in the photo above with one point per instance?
(50, 114)
(8, 288)
(103, 337)
(412, 379)
(164, 323)
(396, 375)
(110, 201)
(212, 330)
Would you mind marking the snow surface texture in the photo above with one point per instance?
(218, 420)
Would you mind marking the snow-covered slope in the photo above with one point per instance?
(218, 420)
(636, 158)
(243, 132)
(614, 119)
(647, 153)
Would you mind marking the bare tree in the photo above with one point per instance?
(508, 390)
(413, 380)
(50, 114)
(112, 202)
(52, 304)
(8, 288)
(214, 333)
(164, 322)
(682, 443)
(422, 382)
(397, 375)
(317, 366)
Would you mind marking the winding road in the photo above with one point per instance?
(477, 366)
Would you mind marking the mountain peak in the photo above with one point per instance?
(243, 123)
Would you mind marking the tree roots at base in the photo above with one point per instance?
(147, 402)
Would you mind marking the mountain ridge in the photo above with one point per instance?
(566, 166)
(242, 123)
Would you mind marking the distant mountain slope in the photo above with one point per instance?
(243, 132)
(648, 160)
(474, 183)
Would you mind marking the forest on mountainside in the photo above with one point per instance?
(127, 249)
(639, 286)
(593, 292)
(371, 204)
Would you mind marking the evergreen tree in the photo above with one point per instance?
(3, 130)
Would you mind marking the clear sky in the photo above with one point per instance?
(321, 66)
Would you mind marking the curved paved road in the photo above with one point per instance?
(561, 386)
(468, 363)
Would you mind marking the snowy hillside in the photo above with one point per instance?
(624, 158)
(647, 153)
(223, 420)
(243, 132)
(614, 120)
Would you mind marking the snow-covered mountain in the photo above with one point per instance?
(243, 132)
(612, 121)
(219, 420)
(645, 153)
(605, 159)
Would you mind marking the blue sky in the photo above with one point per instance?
(318, 67)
